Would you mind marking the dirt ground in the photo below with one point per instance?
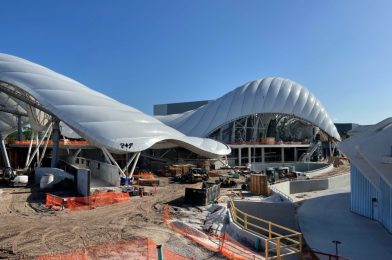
(27, 229)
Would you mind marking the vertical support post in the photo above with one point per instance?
(295, 154)
(282, 154)
(266, 249)
(233, 133)
(4, 152)
(278, 248)
(249, 155)
(160, 252)
(300, 245)
(37, 147)
(257, 244)
(19, 128)
(56, 142)
(239, 157)
(262, 154)
(246, 221)
(269, 230)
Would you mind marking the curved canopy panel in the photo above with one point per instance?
(268, 95)
(40, 94)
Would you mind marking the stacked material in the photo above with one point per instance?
(179, 169)
(259, 184)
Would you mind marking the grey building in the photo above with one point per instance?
(177, 108)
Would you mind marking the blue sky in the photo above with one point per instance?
(149, 52)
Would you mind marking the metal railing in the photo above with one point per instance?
(276, 244)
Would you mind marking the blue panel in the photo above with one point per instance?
(362, 194)
(386, 194)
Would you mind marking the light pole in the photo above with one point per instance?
(336, 242)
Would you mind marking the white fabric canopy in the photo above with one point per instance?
(95, 117)
(268, 95)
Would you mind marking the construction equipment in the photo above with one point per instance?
(193, 175)
(227, 182)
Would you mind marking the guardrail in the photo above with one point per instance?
(276, 244)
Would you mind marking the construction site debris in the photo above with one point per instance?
(203, 196)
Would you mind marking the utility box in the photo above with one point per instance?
(259, 184)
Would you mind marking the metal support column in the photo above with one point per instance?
(134, 164)
(55, 146)
(262, 154)
(19, 128)
(249, 155)
(239, 157)
(282, 154)
(295, 154)
(4, 152)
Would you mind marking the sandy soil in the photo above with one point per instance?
(27, 229)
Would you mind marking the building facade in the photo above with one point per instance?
(370, 152)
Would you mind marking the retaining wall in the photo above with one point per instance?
(104, 171)
(281, 213)
(253, 240)
(291, 187)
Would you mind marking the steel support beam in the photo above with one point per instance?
(46, 146)
(114, 161)
(29, 151)
(134, 164)
(129, 162)
(19, 128)
(4, 152)
(56, 143)
(38, 145)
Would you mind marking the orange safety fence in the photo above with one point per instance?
(137, 249)
(223, 244)
(78, 203)
(144, 175)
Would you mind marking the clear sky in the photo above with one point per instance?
(149, 52)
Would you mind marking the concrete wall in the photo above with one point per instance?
(308, 185)
(253, 240)
(279, 213)
(58, 174)
(83, 182)
(291, 187)
(310, 168)
(104, 171)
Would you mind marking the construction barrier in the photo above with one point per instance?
(137, 249)
(79, 203)
(223, 244)
(144, 175)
